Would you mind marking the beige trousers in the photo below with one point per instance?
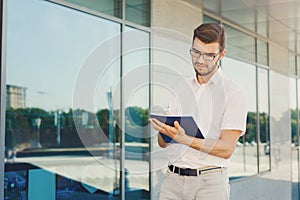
(212, 185)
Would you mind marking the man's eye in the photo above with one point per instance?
(210, 54)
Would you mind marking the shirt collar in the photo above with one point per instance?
(216, 77)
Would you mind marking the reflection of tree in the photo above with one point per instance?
(21, 131)
(20, 125)
(264, 127)
(251, 129)
(294, 126)
(136, 121)
(103, 119)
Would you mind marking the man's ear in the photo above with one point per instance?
(222, 54)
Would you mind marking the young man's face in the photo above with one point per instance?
(206, 63)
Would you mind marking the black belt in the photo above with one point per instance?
(189, 171)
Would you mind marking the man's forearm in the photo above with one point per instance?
(161, 141)
(220, 147)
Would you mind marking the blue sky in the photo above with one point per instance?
(46, 46)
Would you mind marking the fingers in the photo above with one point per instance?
(166, 129)
(162, 127)
(176, 125)
(176, 132)
(157, 125)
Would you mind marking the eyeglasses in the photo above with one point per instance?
(206, 56)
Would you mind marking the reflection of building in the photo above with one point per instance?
(15, 185)
(15, 96)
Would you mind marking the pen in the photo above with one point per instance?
(168, 110)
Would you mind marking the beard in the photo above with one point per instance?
(209, 71)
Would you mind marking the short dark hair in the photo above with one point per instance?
(209, 33)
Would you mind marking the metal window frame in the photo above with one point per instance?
(3, 91)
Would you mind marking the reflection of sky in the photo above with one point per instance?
(263, 87)
(46, 45)
(136, 68)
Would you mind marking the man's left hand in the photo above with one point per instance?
(177, 132)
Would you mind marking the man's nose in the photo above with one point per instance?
(200, 59)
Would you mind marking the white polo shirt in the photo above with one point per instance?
(216, 105)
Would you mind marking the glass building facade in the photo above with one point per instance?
(84, 130)
(79, 78)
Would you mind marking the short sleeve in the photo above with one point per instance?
(235, 115)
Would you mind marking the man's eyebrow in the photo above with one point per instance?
(197, 50)
(204, 52)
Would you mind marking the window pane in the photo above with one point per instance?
(262, 23)
(240, 45)
(213, 6)
(295, 174)
(298, 66)
(16, 184)
(61, 67)
(138, 11)
(246, 17)
(293, 109)
(243, 162)
(264, 121)
(110, 7)
(136, 81)
(296, 136)
(262, 52)
(292, 64)
(207, 19)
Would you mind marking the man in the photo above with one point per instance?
(198, 167)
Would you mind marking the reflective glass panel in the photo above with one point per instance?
(110, 7)
(292, 40)
(239, 45)
(293, 110)
(298, 45)
(207, 19)
(135, 90)
(62, 67)
(292, 64)
(246, 17)
(298, 66)
(296, 136)
(213, 6)
(262, 23)
(16, 184)
(138, 11)
(264, 121)
(244, 159)
(262, 52)
(295, 174)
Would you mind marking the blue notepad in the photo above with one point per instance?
(186, 122)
